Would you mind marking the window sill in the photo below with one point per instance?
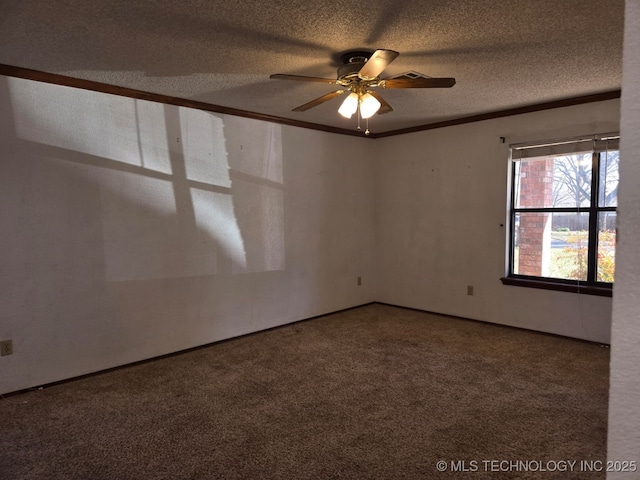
(558, 286)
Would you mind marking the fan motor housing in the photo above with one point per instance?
(350, 69)
(352, 62)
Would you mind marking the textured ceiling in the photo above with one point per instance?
(503, 54)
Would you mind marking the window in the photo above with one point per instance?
(563, 214)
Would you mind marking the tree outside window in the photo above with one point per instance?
(563, 215)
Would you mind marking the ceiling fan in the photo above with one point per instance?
(360, 74)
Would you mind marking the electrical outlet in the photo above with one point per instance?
(470, 290)
(359, 281)
(6, 348)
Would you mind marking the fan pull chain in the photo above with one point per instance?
(359, 129)
(367, 132)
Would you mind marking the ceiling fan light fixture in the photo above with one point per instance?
(349, 106)
(369, 105)
(358, 76)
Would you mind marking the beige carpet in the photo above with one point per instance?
(375, 392)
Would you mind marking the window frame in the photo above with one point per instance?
(590, 286)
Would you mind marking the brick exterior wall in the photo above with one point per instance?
(534, 231)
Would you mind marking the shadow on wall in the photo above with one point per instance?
(175, 197)
(126, 226)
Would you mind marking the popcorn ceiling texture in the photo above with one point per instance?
(503, 54)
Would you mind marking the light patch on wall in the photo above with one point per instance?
(258, 154)
(152, 136)
(260, 214)
(104, 126)
(203, 147)
(147, 193)
(182, 192)
(214, 215)
(256, 162)
(144, 238)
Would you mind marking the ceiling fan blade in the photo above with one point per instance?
(301, 78)
(319, 100)
(377, 63)
(384, 106)
(418, 83)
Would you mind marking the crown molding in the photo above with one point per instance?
(566, 102)
(64, 80)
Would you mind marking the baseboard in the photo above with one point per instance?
(486, 322)
(315, 317)
(172, 354)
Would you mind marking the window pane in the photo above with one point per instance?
(609, 162)
(551, 245)
(561, 181)
(606, 246)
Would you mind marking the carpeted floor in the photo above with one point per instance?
(375, 392)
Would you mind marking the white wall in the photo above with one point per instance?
(441, 199)
(132, 229)
(624, 399)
